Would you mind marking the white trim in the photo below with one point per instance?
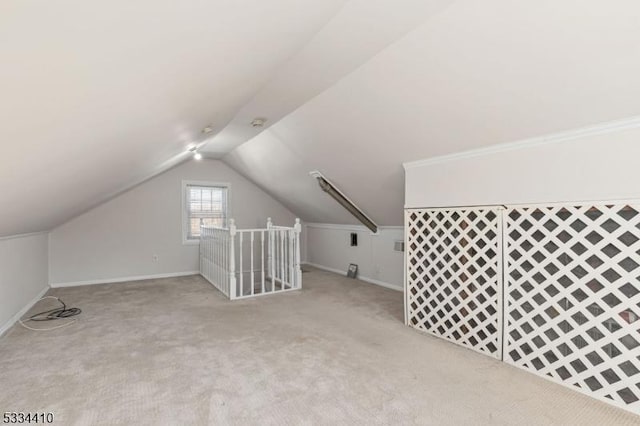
(508, 206)
(343, 227)
(381, 283)
(266, 293)
(598, 129)
(361, 278)
(30, 234)
(14, 319)
(186, 183)
(574, 203)
(405, 283)
(124, 279)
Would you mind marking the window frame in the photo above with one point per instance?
(185, 211)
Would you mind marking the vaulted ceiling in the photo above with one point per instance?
(97, 96)
(475, 73)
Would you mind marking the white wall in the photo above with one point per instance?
(598, 163)
(23, 275)
(328, 247)
(475, 74)
(119, 238)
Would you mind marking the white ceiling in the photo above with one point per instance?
(95, 96)
(476, 73)
(360, 30)
(98, 96)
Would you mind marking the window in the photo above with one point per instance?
(203, 203)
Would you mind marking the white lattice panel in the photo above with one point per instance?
(572, 297)
(454, 270)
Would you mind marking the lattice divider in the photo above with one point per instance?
(454, 275)
(572, 297)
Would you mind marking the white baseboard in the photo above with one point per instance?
(381, 283)
(361, 278)
(124, 279)
(14, 319)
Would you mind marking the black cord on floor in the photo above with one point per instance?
(52, 315)
(55, 314)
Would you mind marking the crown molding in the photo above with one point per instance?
(598, 129)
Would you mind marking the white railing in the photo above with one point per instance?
(251, 262)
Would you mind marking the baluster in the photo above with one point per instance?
(241, 270)
(262, 260)
(282, 260)
(225, 259)
(214, 263)
(200, 254)
(272, 250)
(290, 234)
(252, 274)
(298, 271)
(232, 259)
(269, 248)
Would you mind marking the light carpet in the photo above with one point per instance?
(176, 352)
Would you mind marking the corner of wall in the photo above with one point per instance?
(328, 248)
(24, 261)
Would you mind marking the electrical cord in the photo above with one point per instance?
(51, 315)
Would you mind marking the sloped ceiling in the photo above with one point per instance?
(477, 73)
(98, 96)
(95, 96)
(360, 30)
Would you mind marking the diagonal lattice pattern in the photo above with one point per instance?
(454, 276)
(572, 297)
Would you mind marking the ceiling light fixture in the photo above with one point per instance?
(197, 156)
(258, 122)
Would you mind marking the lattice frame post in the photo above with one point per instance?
(454, 293)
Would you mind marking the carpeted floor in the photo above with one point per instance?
(176, 352)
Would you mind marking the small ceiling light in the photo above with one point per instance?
(197, 156)
(207, 129)
(258, 122)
